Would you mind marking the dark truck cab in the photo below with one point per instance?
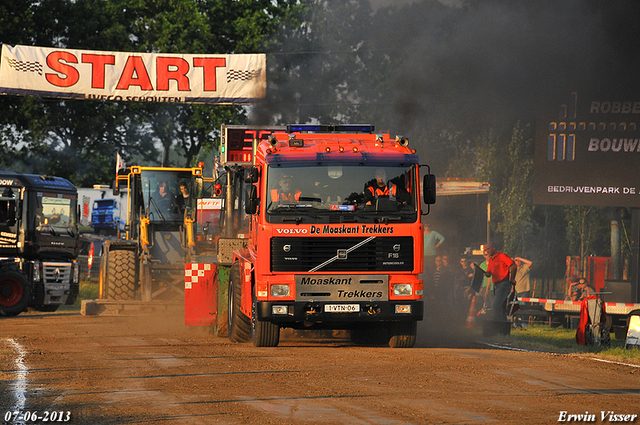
(39, 242)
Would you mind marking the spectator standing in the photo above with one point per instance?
(523, 286)
(448, 282)
(432, 241)
(486, 290)
(462, 281)
(502, 270)
(440, 289)
(464, 274)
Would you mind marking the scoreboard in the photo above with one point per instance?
(237, 144)
(588, 151)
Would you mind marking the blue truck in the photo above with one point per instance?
(105, 216)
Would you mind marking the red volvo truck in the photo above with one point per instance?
(340, 248)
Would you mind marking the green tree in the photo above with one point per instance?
(588, 230)
(79, 139)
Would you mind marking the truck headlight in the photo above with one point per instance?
(76, 272)
(402, 289)
(280, 290)
(36, 273)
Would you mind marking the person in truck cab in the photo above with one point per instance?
(183, 200)
(381, 188)
(164, 198)
(285, 193)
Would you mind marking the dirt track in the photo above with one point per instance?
(153, 369)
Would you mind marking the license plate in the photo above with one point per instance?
(55, 287)
(342, 308)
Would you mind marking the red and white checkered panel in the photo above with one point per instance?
(196, 272)
(200, 295)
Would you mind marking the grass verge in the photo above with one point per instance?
(88, 291)
(563, 341)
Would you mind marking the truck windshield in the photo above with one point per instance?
(342, 190)
(163, 194)
(55, 210)
(8, 206)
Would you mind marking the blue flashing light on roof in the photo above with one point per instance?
(331, 128)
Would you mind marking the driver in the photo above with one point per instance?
(164, 198)
(381, 188)
(285, 193)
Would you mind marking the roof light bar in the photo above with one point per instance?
(347, 128)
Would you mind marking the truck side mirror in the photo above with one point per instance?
(251, 206)
(252, 176)
(429, 189)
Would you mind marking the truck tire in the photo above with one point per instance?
(238, 322)
(15, 292)
(403, 334)
(103, 290)
(263, 333)
(121, 276)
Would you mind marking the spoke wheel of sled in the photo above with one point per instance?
(15, 292)
(238, 322)
(403, 334)
(263, 333)
(121, 276)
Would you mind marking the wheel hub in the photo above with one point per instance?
(6, 291)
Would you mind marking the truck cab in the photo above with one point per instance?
(335, 240)
(38, 243)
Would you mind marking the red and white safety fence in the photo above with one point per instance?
(574, 306)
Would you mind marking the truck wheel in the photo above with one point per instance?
(103, 290)
(239, 323)
(263, 333)
(403, 334)
(122, 275)
(15, 293)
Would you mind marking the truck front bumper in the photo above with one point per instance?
(290, 312)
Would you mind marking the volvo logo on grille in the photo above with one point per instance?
(56, 274)
(396, 247)
(342, 254)
(286, 248)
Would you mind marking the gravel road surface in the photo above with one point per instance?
(151, 369)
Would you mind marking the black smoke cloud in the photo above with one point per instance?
(425, 66)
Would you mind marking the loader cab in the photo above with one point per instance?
(165, 194)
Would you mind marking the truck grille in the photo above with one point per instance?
(379, 254)
(56, 272)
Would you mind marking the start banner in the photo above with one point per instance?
(134, 77)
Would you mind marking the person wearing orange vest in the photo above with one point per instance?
(285, 194)
(382, 188)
